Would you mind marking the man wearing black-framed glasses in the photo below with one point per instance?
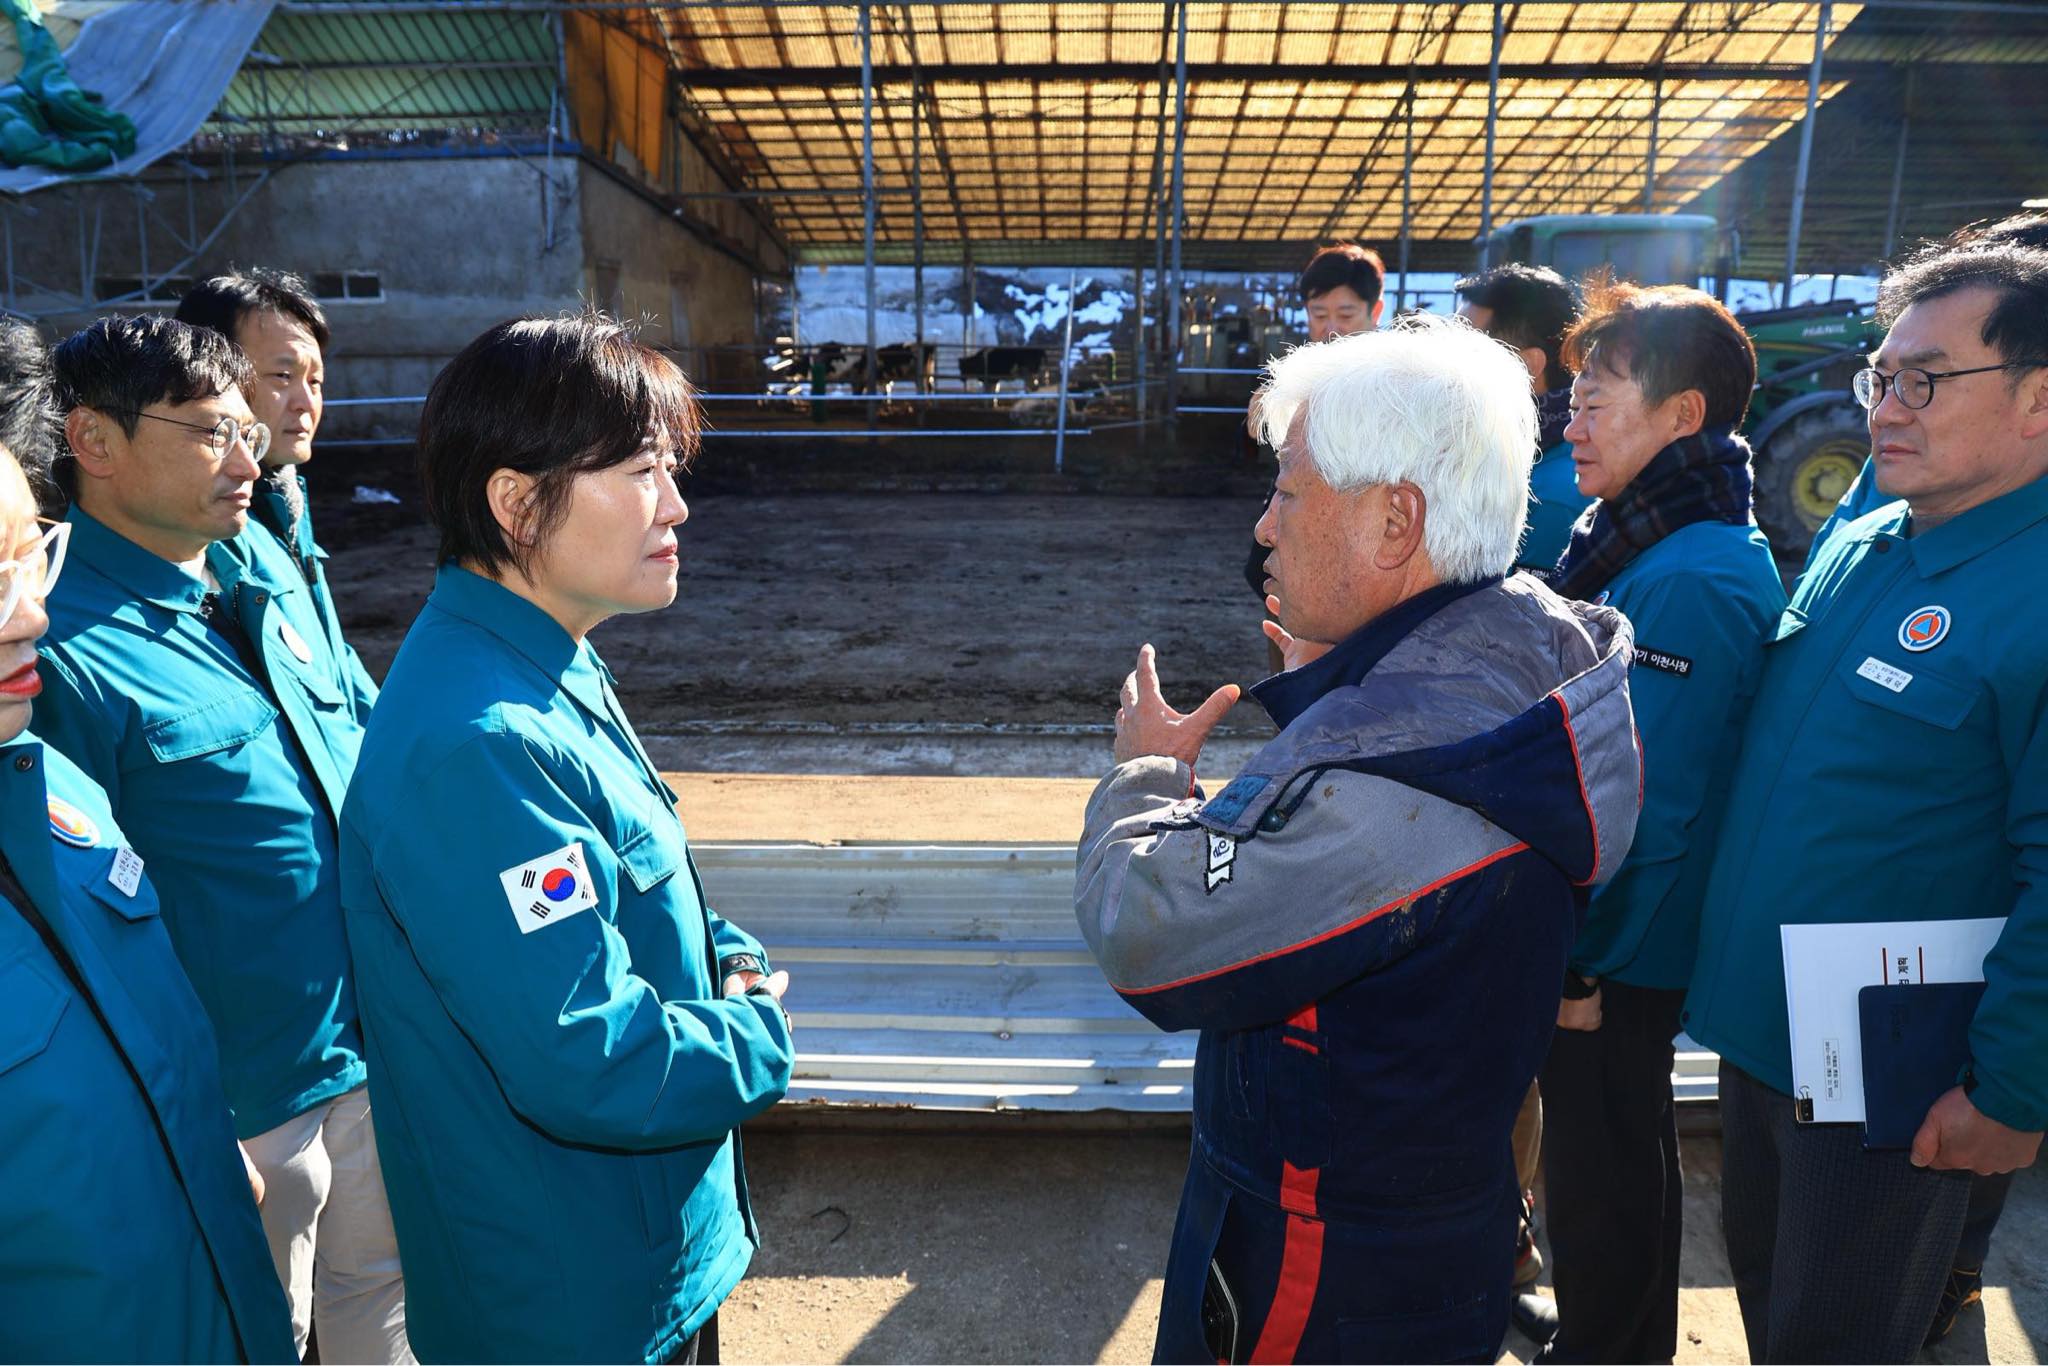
(1863, 496)
(187, 671)
(1894, 768)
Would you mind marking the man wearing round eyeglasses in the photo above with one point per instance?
(1894, 768)
(1864, 495)
(186, 671)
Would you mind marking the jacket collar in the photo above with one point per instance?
(1286, 696)
(491, 606)
(143, 574)
(1963, 538)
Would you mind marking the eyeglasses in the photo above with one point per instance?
(225, 432)
(34, 574)
(1915, 388)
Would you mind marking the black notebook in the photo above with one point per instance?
(1916, 1040)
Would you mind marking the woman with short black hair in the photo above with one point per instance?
(1663, 380)
(563, 1038)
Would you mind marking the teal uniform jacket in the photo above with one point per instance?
(127, 1232)
(1880, 782)
(1703, 601)
(1554, 505)
(555, 1076)
(227, 784)
(1861, 500)
(271, 511)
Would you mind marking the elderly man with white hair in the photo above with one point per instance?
(1369, 925)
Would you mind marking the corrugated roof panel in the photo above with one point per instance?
(390, 71)
(1319, 154)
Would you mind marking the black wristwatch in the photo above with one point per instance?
(741, 962)
(1577, 988)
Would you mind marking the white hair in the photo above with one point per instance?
(1429, 401)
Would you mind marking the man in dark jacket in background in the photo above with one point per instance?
(1370, 923)
(1531, 308)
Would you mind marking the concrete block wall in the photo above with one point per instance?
(459, 244)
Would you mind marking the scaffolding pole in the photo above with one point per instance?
(1159, 196)
(966, 298)
(1059, 445)
(1407, 194)
(1492, 129)
(1180, 187)
(867, 175)
(1650, 167)
(1820, 47)
(917, 221)
(1891, 218)
(1152, 211)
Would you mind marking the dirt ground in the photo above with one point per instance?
(1049, 1247)
(964, 634)
(816, 633)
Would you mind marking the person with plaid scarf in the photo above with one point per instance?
(1663, 379)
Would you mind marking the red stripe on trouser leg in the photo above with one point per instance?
(1301, 1268)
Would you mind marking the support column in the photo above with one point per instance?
(1407, 194)
(917, 223)
(867, 179)
(1891, 218)
(1059, 439)
(1820, 47)
(1650, 167)
(1159, 212)
(1492, 128)
(1180, 179)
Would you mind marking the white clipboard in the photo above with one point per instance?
(1826, 965)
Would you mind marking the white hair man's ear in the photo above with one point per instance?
(1407, 509)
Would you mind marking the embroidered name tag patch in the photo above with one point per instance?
(1883, 674)
(126, 872)
(552, 887)
(1222, 861)
(1663, 663)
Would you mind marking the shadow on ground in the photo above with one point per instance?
(1047, 1245)
(955, 1247)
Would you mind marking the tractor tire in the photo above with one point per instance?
(1803, 472)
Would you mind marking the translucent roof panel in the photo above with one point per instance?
(1056, 121)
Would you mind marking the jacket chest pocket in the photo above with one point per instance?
(103, 887)
(650, 847)
(219, 723)
(1911, 692)
(30, 1006)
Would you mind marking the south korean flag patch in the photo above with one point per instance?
(549, 888)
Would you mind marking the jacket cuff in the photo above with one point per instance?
(1152, 775)
(2003, 1104)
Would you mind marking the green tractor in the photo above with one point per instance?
(1807, 430)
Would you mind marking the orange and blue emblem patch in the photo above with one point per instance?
(71, 825)
(1924, 629)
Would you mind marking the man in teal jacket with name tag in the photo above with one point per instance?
(186, 671)
(1895, 767)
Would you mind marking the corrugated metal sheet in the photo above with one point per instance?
(162, 63)
(383, 71)
(947, 977)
